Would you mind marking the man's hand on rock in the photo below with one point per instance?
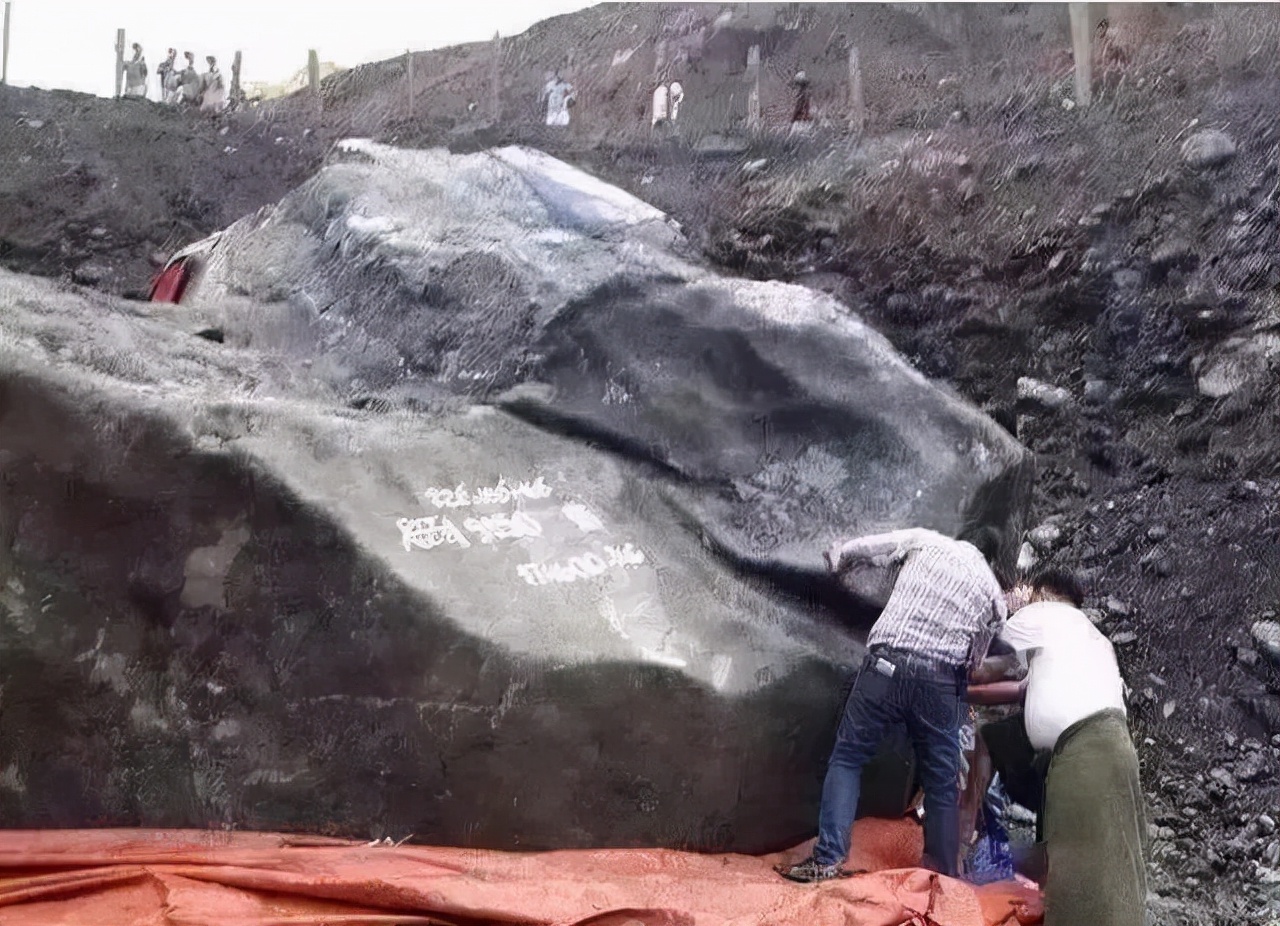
(832, 556)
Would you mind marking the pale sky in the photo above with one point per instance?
(70, 44)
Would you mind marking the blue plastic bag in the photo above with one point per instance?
(990, 858)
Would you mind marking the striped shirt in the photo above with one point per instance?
(946, 604)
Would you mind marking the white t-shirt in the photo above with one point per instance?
(659, 103)
(1072, 668)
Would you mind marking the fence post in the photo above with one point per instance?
(753, 93)
(235, 78)
(313, 71)
(1081, 47)
(857, 106)
(119, 62)
(4, 73)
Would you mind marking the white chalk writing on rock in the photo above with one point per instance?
(585, 566)
(432, 531)
(426, 534)
(500, 494)
(494, 527)
(626, 555)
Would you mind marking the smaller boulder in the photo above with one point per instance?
(1042, 395)
(1209, 148)
(1045, 537)
(1266, 634)
(90, 273)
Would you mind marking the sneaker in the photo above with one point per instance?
(810, 870)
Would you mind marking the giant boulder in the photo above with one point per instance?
(494, 516)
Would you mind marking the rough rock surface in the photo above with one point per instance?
(491, 517)
(514, 278)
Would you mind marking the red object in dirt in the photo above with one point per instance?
(171, 282)
(197, 878)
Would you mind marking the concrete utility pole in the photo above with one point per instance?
(408, 77)
(119, 61)
(497, 77)
(1080, 46)
(857, 106)
(4, 72)
(313, 71)
(753, 94)
(235, 78)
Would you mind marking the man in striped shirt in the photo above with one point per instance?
(944, 610)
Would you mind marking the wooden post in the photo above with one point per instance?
(1080, 46)
(753, 93)
(408, 76)
(119, 62)
(235, 78)
(313, 71)
(857, 106)
(4, 72)
(497, 77)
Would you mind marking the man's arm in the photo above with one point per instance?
(995, 623)
(994, 669)
(877, 549)
(1008, 692)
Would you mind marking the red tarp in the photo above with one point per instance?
(197, 878)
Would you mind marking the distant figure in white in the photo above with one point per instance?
(660, 97)
(559, 95)
(167, 73)
(676, 96)
(135, 74)
(189, 81)
(213, 92)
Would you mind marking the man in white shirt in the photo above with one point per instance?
(559, 95)
(660, 98)
(213, 92)
(1094, 822)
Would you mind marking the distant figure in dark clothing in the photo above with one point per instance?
(167, 74)
(190, 81)
(801, 113)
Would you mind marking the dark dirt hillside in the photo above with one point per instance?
(1102, 280)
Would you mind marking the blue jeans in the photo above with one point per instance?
(929, 705)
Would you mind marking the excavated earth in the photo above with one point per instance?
(1102, 281)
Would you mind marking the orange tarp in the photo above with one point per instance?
(197, 878)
